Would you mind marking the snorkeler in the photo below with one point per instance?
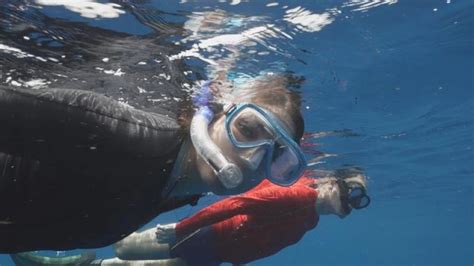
(81, 170)
(251, 226)
(244, 228)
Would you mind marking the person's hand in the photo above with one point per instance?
(166, 233)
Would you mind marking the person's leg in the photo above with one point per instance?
(119, 262)
(142, 246)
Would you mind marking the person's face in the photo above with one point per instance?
(250, 160)
(329, 198)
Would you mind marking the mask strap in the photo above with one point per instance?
(204, 95)
(344, 197)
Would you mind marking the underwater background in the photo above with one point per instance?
(388, 87)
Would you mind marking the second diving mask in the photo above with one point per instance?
(352, 197)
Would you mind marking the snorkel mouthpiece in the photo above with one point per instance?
(228, 173)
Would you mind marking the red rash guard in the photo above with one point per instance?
(258, 223)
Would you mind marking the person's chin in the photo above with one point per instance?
(343, 214)
(219, 189)
(250, 180)
(247, 184)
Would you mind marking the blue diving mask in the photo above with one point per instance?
(353, 196)
(249, 126)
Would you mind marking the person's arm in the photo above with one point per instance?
(222, 210)
(141, 246)
(214, 213)
(67, 143)
(268, 199)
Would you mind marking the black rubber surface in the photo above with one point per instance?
(79, 169)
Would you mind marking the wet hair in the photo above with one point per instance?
(348, 172)
(352, 175)
(275, 95)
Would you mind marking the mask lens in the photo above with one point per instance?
(361, 202)
(358, 199)
(249, 127)
(356, 193)
(253, 157)
(285, 165)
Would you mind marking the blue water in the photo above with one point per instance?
(399, 77)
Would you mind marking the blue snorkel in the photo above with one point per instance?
(228, 173)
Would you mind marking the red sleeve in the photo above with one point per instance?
(214, 213)
(304, 180)
(263, 184)
(269, 199)
(278, 223)
(273, 199)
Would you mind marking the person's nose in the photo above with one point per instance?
(253, 157)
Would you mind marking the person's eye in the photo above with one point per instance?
(245, 130)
